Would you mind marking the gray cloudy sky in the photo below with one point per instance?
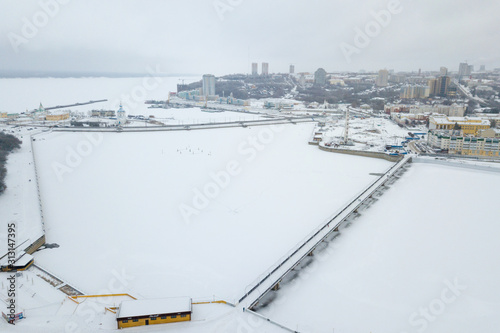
(225, 36)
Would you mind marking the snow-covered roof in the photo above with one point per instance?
(157, 306)
(58, 112)
(22, 259)
(442, 120)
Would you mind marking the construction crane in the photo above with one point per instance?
(346, 129)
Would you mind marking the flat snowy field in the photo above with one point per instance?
(193, 116)
(424, 258)
(368, 133)
(129, 204)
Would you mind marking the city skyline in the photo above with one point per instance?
(128, 36)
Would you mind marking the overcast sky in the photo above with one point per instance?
(225, 36)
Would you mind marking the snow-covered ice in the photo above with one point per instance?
(423, 258)
(118, 209)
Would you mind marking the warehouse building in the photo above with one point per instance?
(153, 312)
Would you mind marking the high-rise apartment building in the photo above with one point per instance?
(464, 69)
(265, 68)
(383, 78)
(414, 91)
(292, 69)
(255, 69)
(439, 86)
(320, 77)
(208, 85)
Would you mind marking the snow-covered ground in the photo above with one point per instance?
(370, 134)
(49, 310)
(131, 203)
(423, 258)
(195, 116)
(205, 213)
(19, 202)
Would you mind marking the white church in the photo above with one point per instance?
(121, 117)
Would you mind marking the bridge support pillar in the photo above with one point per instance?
(310, 254)
(276, 286)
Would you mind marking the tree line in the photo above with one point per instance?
(8, 143)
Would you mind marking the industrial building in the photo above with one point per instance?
(153, 311)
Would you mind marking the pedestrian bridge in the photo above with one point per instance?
(270, 279)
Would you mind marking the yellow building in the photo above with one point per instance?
(468, 125)
(439, 86)
(21, 262)
(153, 312)
(414, 91)
(3, 114)
(57, 116)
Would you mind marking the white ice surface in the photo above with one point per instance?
(117, 211)
(435, 226)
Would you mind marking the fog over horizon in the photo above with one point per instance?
(122, 37)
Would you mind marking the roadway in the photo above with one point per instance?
(465, 92)
(187, 127)
(413, 147)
